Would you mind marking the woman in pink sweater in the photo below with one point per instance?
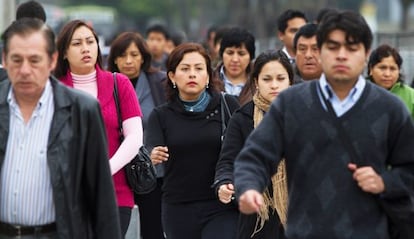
(80, 66)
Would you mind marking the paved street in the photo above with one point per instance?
(134, 227)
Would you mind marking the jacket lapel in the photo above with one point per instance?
(4, 116)
(62, 112)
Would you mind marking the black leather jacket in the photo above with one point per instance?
(77, 157)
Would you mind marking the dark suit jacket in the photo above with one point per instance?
(3, 74)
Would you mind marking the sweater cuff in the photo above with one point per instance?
(393, 189)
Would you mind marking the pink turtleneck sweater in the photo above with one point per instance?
(101, 85)
(132, 127)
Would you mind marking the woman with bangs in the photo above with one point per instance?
(384, 69)
(130, 56)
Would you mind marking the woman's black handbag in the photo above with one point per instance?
(140, 172)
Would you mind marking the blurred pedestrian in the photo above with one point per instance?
(176, 38)
(214, 54)
(130, 56)
(31, 9)
(288, 23)
(384, 69)
(322, 12)
(237, 50)
(208, 42)
(80, 66)
(157, 36)
(308, 65)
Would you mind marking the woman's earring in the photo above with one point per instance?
(207, 85)
(174, 85)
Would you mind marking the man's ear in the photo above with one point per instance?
(53, 61)
(3, 59)
(280, 35)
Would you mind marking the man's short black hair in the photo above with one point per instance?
(352, 23)
(220, 33)
(307, 31)
(323, 12)
(159, 29)
(26, 26)
(211, 29)
(31, 9)
(282, 21)
(178, 37)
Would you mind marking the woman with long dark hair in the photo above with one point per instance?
(185, 135)
(80, 66)
(272, 73)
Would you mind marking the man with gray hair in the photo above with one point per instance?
(55, 180)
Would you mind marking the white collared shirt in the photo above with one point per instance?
(229, 87)
(291, 59)
(26, 195)
(341, 106)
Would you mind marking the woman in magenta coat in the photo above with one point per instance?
(79, 66)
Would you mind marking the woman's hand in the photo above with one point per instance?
(225, 193)
(159, 154)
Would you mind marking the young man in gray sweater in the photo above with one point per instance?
(331, 193)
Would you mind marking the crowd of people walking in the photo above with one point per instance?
(312, 140)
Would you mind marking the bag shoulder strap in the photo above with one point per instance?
(224, 109)
(341, 131)
(118, 107)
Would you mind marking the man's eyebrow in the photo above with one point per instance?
(330, 41)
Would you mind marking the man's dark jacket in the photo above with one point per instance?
(77, 157)
(3, 74)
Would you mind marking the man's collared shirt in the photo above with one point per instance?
(229, 87)
(291, 59)
(341, 107)
(26, 196)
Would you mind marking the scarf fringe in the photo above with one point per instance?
(279, 201)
